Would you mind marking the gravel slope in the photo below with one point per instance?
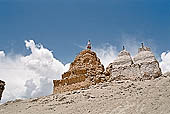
(121, 97)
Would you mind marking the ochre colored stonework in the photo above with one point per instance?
(84, 71)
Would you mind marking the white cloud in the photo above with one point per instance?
(2, 54)
(165, 62)
(28, 76)
(30, 86)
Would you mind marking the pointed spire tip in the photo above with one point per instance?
(123, 47)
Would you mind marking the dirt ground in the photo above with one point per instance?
(117, 97)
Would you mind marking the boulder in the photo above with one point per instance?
(2, 87)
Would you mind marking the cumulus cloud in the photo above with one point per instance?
(30, 86)
(31, 75)
(2, 54)
(165, 62)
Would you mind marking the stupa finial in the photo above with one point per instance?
(89, 45)
(123, 47)
(142, 45)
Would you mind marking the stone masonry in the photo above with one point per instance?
(84, 71)
(143, 66)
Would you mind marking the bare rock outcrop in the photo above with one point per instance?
(2, 87)
(84, 71)
(142, 67)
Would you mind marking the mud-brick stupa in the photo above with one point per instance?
(84, 71)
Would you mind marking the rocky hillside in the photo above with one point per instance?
(116, 97)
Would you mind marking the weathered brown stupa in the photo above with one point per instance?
(84, 71)
(2, 87)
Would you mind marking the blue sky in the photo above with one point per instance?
(63, 26)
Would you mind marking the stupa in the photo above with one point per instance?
(142, 67)
(84, 71)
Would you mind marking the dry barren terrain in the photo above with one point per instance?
(117, 97)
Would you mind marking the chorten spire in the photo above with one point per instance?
(143, 48)
(142, 45)
(89, 45)
(123, 47)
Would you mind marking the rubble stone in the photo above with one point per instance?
(2, 87)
